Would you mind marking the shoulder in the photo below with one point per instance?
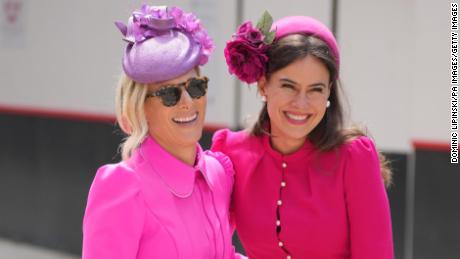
(219, 170)
(223, 160)
(361, 160)
(243, 149)
(360, 147)
(114, 210)
(225, 139)
(114, 180)
(356, 148)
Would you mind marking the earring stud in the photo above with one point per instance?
(328, 104)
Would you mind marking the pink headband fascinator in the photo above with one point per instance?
(246, 53)
(310, 26)
(163, 43)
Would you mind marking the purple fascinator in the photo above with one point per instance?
(163, 43)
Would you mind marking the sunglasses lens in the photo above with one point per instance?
(171, 96)
(197, 87)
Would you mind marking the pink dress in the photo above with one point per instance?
(308, 205)
(155, 206)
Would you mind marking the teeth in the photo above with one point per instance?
(296, 117)
(186, 119)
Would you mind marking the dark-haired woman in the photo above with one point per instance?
(305, 186)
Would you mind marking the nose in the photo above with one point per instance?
(185, 100)
(301, 100)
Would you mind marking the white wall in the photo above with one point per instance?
(69, 55)
(376, 39)
(430, 93)
(395, 68)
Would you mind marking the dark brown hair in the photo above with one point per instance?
(330, 133)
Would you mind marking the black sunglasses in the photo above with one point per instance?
(170, 94)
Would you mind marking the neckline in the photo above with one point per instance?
(305, 150)
(178, 176)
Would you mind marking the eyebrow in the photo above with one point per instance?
(295, 83)
(167, 85)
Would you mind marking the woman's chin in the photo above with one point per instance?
(189, 136)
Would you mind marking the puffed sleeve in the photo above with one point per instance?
(367, 203)
(219, 140)
(114, 216)
(224, 161)
(218, 146)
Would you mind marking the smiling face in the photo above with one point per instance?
(296, 101)
(180, 125)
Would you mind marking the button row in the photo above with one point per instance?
(281, 244)
(279, 203)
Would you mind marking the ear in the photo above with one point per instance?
(261, 84)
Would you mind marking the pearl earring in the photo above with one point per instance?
(264, 99)
(328, 104)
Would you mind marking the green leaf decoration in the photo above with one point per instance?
(269, 37)
(265, 23)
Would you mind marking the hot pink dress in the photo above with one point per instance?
(308, 205)
(155, 206)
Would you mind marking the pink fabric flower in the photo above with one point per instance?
(245, 59)
(190, 23)
(247, 31)
(246, 53)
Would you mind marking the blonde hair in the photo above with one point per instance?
(129, 101)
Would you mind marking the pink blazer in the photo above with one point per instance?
(155, 206)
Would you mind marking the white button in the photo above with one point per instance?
(283, 184)
(284, 165)
(279, 202)
(280, 244)
(278, 223)
(288, 257)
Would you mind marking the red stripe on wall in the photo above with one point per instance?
(108, 118)
(57, 114)
(431, 145)
(77, 116)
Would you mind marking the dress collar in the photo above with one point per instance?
(306, 149)
(178, 176)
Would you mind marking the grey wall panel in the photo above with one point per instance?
(46, 169)
(397, 196)
(437, 206)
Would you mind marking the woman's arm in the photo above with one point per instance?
(367, 203)
(114, 216)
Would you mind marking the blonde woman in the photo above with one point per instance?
(167, 198)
